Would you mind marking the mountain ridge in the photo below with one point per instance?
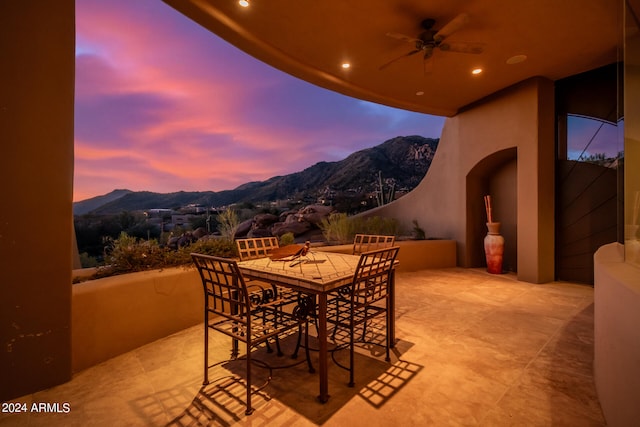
(402, 162)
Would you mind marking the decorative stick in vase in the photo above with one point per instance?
(487, 206)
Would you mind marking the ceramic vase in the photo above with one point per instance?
(494, 248)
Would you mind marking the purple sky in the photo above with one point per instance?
(163, 105)
(586, 136)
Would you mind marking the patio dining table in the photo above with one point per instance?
(316, 273)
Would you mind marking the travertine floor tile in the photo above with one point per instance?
(473, 349)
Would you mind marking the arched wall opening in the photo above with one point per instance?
(494, 175)
(504, 145)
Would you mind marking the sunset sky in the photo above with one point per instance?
(164, 105)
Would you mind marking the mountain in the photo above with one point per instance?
(89, 205)
(402, 162)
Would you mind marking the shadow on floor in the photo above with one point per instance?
(571, 364)
(294, 389)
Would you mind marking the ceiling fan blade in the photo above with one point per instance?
(402, 37)
(463, 47)
(454, 25)
(413, 52)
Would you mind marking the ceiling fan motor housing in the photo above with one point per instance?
(426, 40)
(430, 39)
(428, 23)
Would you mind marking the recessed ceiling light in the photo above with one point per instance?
(346, 65)
(419, 93)
(476, 71)
(516, 59)
(244, 3)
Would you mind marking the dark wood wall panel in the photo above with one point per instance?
(585, 218)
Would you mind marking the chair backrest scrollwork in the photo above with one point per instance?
(373, 275)
(260, 247)
(369, 242)
(225, 290)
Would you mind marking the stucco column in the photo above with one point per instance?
(36, 166)
(536, 193)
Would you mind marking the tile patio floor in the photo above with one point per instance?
(474, 349)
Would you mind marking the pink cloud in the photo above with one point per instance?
(163, 105)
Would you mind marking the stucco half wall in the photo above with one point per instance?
(616, 362)
(117, 314)
(520, 118)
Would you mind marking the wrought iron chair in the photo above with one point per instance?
(361, 243)
(368, 297)
(261, 247)
(370, 242)
(230, 308)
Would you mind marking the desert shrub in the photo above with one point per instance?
(340, 228)
(228, 224)
(418, 232)
(88, 261)
(337, 228)
(378, 225)
(215, 247)
(128, 254)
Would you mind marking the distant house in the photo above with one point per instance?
(181, 220)
(158, 213)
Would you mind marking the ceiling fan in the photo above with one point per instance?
(429, 40)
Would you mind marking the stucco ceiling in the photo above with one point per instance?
(311, 39)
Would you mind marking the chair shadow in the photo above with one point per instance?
(220, 403)
(292, 392)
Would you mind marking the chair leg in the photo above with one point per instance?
(234, 349)
(306, 348)
(249, 410)
(314, 311)
(388, 335)
(206, 353)
(279, 350)
(364, 325)
(351, 354)
(294, 355)
(335, 329)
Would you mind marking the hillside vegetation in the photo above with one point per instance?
(401, 162)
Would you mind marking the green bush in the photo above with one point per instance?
(378, 225)
(287, 239)
(418, 232)
(126, 254)
(88, 261)
(340, 228)
(337, 228)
